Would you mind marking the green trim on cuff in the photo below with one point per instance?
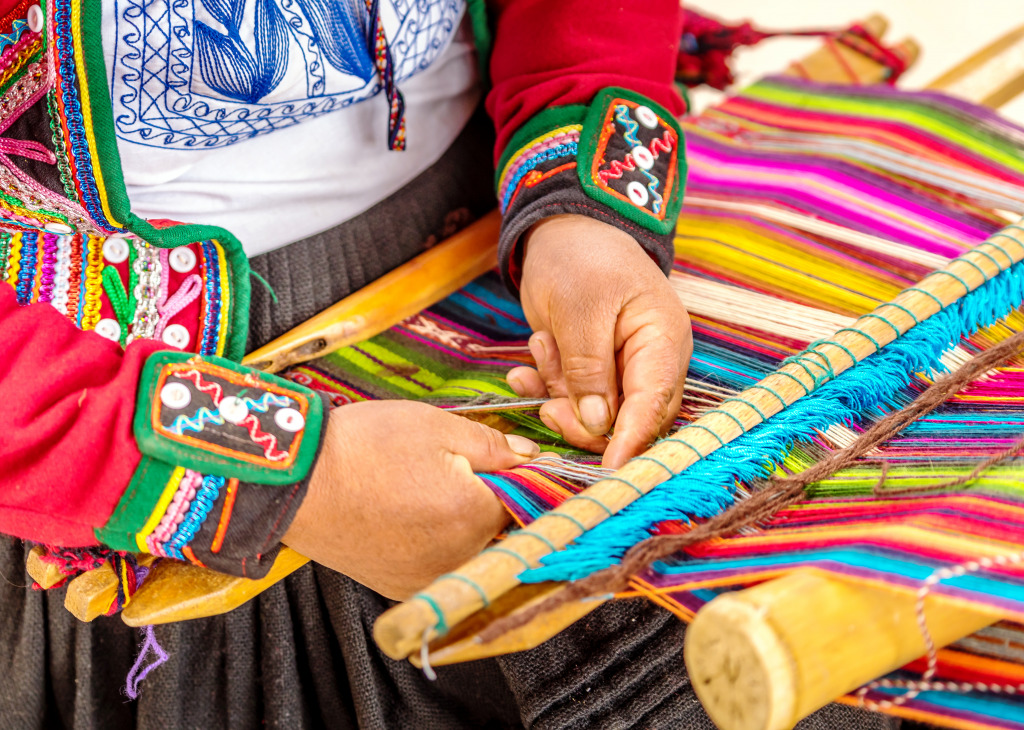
(269, 434)
(136, 505)
(659, 187)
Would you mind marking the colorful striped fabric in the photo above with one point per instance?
(808, 205)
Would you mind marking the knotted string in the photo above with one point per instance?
(140, 670)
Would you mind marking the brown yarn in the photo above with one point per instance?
(777, 495)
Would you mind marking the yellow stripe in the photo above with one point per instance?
(160, 509)
(15, 259)
(225, 299)
(83, 92)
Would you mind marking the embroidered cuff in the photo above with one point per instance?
(217, 439)
(620, 160)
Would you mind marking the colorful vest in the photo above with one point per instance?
(67, 234)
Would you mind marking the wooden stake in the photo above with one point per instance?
(766, 657)
(45, 574)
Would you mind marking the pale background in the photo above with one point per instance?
(948, 31)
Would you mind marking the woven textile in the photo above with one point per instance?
(807, 206)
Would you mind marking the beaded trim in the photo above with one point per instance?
(554, 145)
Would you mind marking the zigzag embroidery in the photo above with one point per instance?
(652, 185)
(622, 115)
(616, 169)
(665, 143)
(204, 416)
(266, 440)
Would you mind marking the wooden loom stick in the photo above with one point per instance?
(399, 294)
(177, 592)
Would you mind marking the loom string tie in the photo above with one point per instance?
(428, 671)
(925, 684)
(441, 627)
(499, 549)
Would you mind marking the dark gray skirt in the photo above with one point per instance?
(301, 654)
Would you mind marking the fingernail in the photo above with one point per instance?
(594, 413)
(537, 350)
(522, 446)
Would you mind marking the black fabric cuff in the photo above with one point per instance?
(620, 160)
(242, 534)
(558, 195)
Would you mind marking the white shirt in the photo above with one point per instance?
(263, 125)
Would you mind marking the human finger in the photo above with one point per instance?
(558, 415)
(548, 357)
(484, 448)
(587, 346)
(653, 376)
(527, 382)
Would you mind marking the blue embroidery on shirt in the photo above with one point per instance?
(208, 73)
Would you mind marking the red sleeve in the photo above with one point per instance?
(556, 53)
(66, 446)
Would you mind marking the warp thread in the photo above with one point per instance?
(764, 504)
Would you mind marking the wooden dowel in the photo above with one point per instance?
(766, 657)
(400, 631)
(45, 574)
(176, 591)
(90, 594)
(401, 293)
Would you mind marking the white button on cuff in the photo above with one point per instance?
(175, 395)
(35, 19)
(290, 420)
(182, 260)
(109, 329)
(642, 157)
(234, 410)
(637, 194)
(58, 228)
(115, 250)
(176, 335)
(646, 117)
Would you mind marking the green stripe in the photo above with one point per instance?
(136, 505)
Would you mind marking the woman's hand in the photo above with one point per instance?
(393, 501)
(606, 321)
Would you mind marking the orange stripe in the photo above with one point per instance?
(225, 516)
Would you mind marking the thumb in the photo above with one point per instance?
(588, 368)
(487, 449)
